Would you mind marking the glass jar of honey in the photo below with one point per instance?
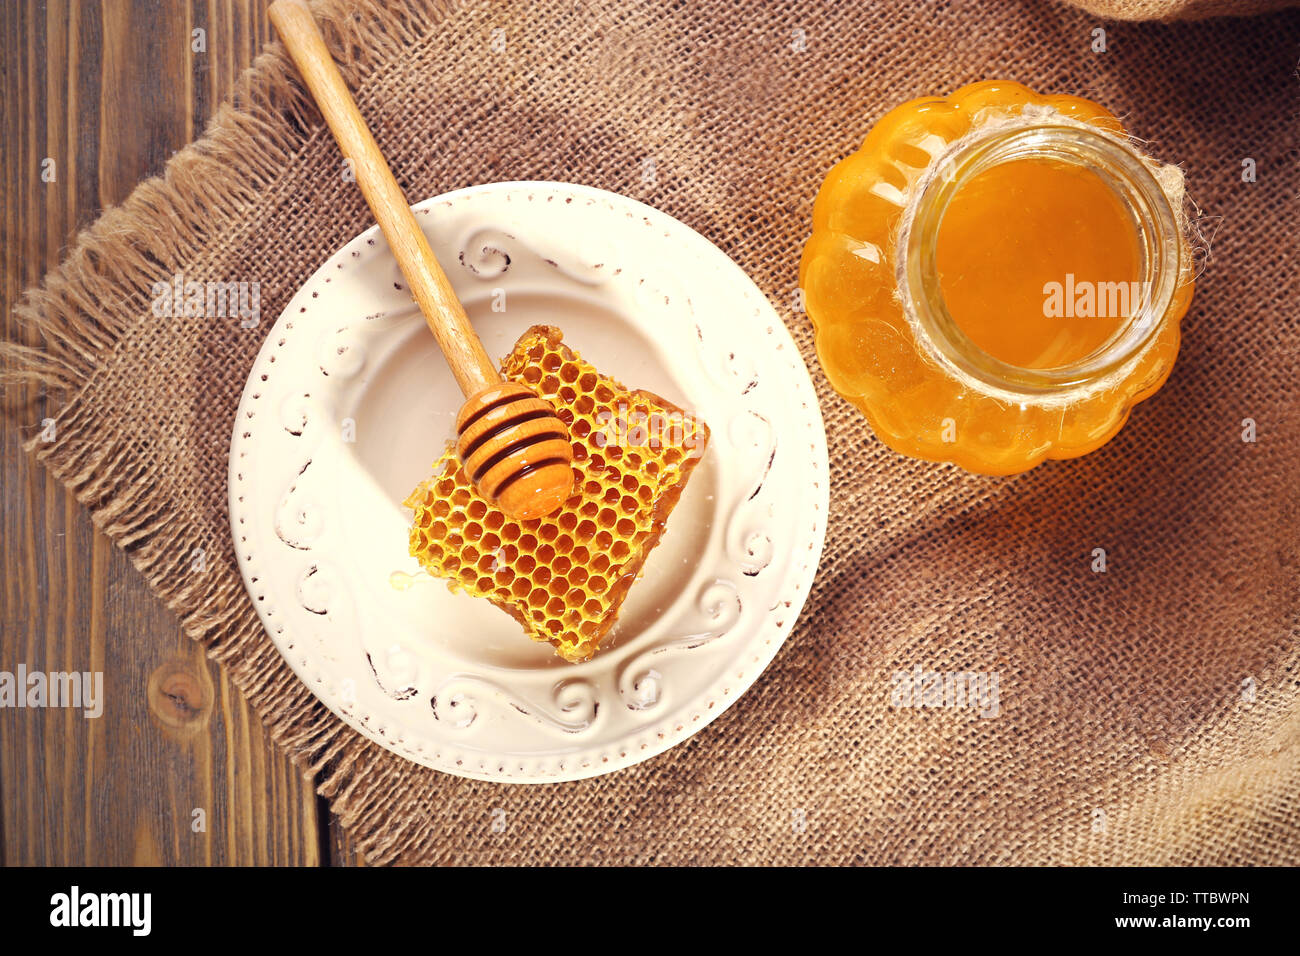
(997, 277)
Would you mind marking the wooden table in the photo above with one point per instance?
(107, 92)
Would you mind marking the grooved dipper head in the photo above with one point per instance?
(515, 450)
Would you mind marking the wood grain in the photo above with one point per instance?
(109, 91)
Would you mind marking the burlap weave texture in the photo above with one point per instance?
(1147, 714)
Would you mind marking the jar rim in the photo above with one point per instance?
(1122, 168)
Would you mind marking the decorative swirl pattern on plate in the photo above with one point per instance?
(298, 517)
(454, 709)
(484, 253)
(572, 709)
(341, 354)
(489, 251)
(733, 372)
(324, 593)
(720, 605)
(401, 671)
(314, 591)
(296, 413)
(747, 543)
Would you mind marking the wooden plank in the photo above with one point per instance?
(343, 852)
(83, 85)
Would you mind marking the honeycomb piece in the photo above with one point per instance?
(564, 577)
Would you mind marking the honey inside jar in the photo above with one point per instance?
(1022, 252)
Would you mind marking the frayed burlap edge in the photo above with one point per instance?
(78, 314)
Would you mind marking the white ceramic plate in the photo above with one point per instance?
(349, 403)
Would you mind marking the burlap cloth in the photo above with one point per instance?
(1148, 714)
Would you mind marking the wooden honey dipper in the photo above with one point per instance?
(513, 447)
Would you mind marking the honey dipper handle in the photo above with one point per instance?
(470, 364)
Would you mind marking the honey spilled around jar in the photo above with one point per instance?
(1034, 256)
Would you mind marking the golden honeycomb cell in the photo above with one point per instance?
(564, 577)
